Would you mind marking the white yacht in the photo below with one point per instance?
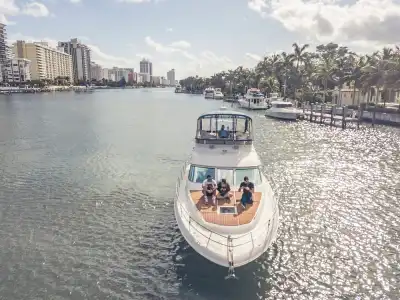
(218, 94)
(178, 88)
(283, 110)
(209, 93)
(253, 99)
(226, 233)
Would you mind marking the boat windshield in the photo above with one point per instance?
(234, 177)
(224, 127)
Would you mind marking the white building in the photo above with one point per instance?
(164, 81)
(156, 80)
(119, 73)
(18, 70)
(105, 74)
(96, 72)
(81, 60)
(3, 49)
(145, 77)
(46, 62)
(171, 76)
(146, 67)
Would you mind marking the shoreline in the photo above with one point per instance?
(59, 88)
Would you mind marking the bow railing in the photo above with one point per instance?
(215, 237)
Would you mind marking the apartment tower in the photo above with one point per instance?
(171, 76)
(81, 60)
(46, 62)
(146, 67)
(3, 50)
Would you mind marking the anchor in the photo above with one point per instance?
(231, 269)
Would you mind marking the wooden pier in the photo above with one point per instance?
(331, 115)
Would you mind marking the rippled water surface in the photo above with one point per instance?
(86, 203)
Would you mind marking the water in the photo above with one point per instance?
(86, 203)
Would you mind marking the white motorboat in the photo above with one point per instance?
(226, 233)
(282, 110)
(218, 95)
(178, 88)
(253, 99)
(209, 93)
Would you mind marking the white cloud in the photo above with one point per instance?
(144, 55)
(204, 63)
(134, 1)
(36, 9)
(253, 56)
(181, 45)
(8, 8)
(159, 47)
(361, 21)
(12, 38)
(108, 61)
(75, 1)
(169, 29)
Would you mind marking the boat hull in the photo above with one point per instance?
(252, 106)
(282, 115)
(214, 246)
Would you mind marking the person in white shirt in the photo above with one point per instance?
(209, 189)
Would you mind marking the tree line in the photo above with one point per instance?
(312, 76)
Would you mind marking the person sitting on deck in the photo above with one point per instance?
(224, 189)
(209, 189)
(223, 133)
(248, 190)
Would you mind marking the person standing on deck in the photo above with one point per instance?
(248, 189)
(209, 189)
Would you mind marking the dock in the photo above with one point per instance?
(343, 116)
(331, 115)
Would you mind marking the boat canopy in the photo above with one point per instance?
(255, 92)
(224, 127)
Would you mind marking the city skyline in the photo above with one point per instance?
(70, 61)
(250, 29)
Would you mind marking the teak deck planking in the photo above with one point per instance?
(210, 211)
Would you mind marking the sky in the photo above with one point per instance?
(201, 37)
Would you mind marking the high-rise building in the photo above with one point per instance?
(171, 76)
(3, 50)
(46, 62)
(105, 74)
(96, 72)
(146, 67)
(81, 61)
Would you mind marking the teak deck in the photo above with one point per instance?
(210, 211)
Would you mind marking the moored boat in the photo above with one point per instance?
(218, 95)
(253, 100)
(209, 93)
(283, 110)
